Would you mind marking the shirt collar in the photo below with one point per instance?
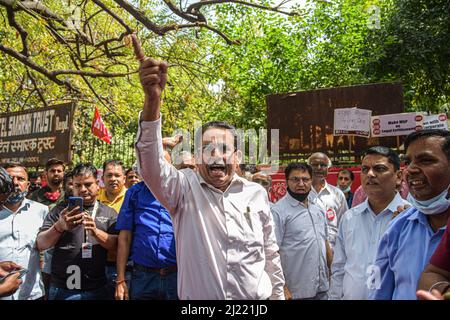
(422, 218)
(392, 206)
(325, 187)
(23, 207)
(292, 201)
(103, 198)
(235, 180)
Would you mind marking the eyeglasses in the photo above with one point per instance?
(297, 180)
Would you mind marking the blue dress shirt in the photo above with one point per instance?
(404, 251)
(153, 239)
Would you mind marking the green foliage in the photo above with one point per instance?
(330, 43)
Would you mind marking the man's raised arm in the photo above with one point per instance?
(153, 77)
(164, 181)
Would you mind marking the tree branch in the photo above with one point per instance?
(197, 6)
(112, 14)
(41, 96)
(23, 33)
(43, 11)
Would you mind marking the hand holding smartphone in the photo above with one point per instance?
(21, 272)
(75, 202)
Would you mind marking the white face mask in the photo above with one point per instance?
(345, 190)
(435, 205)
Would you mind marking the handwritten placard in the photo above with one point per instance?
(352, 121)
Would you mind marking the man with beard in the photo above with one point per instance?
(61, 204)
(330, 198)
(35, 181)
(80, 240)
(362, 227)
(20, 220)
(406, 247)
(301, 231)
(225, 245)
(52, 192)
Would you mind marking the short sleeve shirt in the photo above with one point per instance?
(67, 251)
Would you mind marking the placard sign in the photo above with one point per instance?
(352, 121)
(398, 124)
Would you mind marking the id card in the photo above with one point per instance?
(86, 250)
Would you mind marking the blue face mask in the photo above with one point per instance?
(345, 190)
(433, 206)
(16, 197)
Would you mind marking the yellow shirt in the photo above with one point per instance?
(116, 203)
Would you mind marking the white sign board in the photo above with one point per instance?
(352, 121)
(398, 124)
(435, 121)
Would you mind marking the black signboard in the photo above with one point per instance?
(32, 137)
(305, 119)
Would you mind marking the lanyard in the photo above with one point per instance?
(94, 213)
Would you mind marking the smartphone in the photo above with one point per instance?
(21, 271)
(75, 202)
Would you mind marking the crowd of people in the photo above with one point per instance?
(204, 229)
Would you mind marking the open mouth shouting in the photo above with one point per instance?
(217, 170)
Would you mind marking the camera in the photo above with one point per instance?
(6, 185)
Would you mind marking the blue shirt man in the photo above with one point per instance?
(414, 235)
(404, 251)
(146, 229)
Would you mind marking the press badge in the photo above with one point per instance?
(86, 250)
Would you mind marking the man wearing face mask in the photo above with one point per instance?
(301, 231)
(20, 220)
(344, 182)
(406, 247)
(226, 246)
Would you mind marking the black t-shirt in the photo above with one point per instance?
(67, 251)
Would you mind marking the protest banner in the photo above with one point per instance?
(397, 124)
(352, 121)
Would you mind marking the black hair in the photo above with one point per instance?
(114, 163)
(14, 165)
(83, 169)
(352, 175)
(297, 166)
(386, 152)
(54, 162)
(33, 175)
(430, 133)
(215, 124)
(67, 176)
(129, 170)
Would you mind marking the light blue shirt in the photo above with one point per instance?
(404, 251)
(18, 232)
(301, 234)
(356, 247)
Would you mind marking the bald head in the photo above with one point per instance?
(320, 163)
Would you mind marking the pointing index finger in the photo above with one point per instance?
(137, 48)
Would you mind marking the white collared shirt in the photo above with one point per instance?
(225, 241)
(360, 232)
(18, 232)
(301, 234)
(333, 202)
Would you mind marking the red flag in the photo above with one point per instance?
(99, 129)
